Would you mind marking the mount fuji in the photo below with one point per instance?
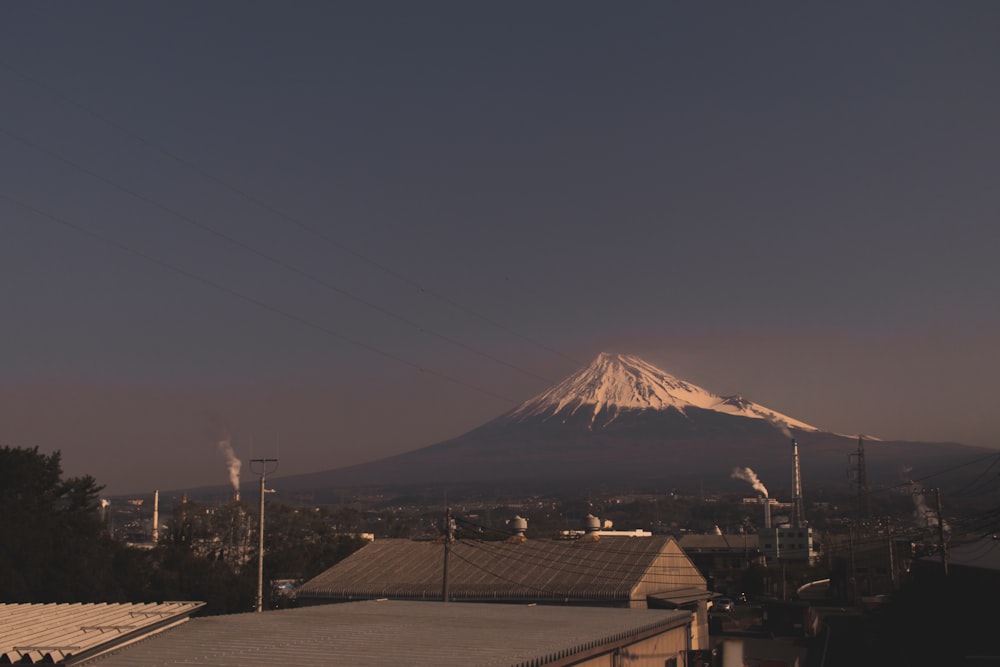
(620, 419)
(621, 385)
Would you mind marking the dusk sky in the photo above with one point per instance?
(340, 231)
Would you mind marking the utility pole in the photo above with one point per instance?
(892, 563)
(941, 544)
(853, 577)
(260, 546)
(448, 526)
(864, 500)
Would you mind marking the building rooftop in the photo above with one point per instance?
(604, 571)
(723, 542)
(57, 633)
(393, 633)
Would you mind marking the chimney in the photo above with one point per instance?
(767, 512)
(797, 512)
(156, 516)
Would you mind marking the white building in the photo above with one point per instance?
(787, 543)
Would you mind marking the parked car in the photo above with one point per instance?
(722, 604)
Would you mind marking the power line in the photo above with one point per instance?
(274, 211)
(912, 482)
(249, 299)
(507, 579)
(258, 253)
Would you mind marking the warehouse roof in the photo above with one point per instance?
(608, 570)
(64, 633)
(392, 633)
(693, 543)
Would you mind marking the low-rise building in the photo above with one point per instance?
(787, 543)
(599, 571)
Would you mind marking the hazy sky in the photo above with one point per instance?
(338, 231)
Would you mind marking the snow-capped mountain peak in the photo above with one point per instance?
(619, 382)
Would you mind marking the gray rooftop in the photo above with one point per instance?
(718, 543)
(393, 633)
(613, 570)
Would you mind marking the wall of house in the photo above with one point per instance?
(670, 570)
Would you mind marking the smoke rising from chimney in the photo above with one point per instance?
(924, 515)
(232, 462)
(748, 475)
(781, 426)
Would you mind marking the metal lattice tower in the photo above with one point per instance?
(864, 501)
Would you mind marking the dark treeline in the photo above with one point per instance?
(55, 547)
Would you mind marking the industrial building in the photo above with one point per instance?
(637, 573)
(612, 572)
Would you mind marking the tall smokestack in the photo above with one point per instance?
(797, 512)
(156, 516)
(767, 512)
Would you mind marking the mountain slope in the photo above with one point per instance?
(623, 419)
(617, 384)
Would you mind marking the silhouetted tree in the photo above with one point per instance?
(54, 548)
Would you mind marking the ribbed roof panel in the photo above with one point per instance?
(393, 633)
(36, 633)
(608, 570)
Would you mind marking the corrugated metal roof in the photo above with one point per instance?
(393, 633)
(718, 542)
(681, 597)
(607, 571)
(54, 633)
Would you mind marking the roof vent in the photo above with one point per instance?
(591, 524)
(518, 525)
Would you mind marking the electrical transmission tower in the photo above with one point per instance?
(860, 474)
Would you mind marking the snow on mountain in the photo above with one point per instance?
(617, 382)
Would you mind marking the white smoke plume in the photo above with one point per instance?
(780, 425)
(232, 462)
(924, 515)
(748, 475)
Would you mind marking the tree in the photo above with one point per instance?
(54, 548)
